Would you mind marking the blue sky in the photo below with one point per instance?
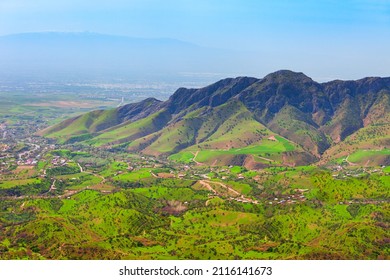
(305, 35)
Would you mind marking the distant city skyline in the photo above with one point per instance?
(325, 39)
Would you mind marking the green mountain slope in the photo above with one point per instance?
(300, 128)
(131, 130)
(370, 144)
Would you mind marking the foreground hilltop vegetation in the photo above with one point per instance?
(86, 205)
(285, 118)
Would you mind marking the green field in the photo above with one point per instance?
(135, 175)
(266, 148)
(80, 180)
(113, 168)
(179, 194)
(184, 157)
(365, 155)
(14, 183)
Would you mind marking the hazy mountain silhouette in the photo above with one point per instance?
(91, 54)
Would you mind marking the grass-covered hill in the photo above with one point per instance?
(285, 118)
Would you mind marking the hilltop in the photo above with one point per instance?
(285, 118)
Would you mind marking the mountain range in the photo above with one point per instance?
(285, 118)
(48, 55)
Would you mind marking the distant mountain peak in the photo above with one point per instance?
(287, 75)
(88, 36)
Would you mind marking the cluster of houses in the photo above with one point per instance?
(30, 161)
(59, 161)
(4, 147)
(290, 199)
(341, 173)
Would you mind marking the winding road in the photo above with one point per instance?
(239, 197)
(91, 173)
(350, 163)
(194, 159)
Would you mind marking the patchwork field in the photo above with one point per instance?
(52, 108)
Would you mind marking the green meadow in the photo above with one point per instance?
(267, 148)
(366, 155)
